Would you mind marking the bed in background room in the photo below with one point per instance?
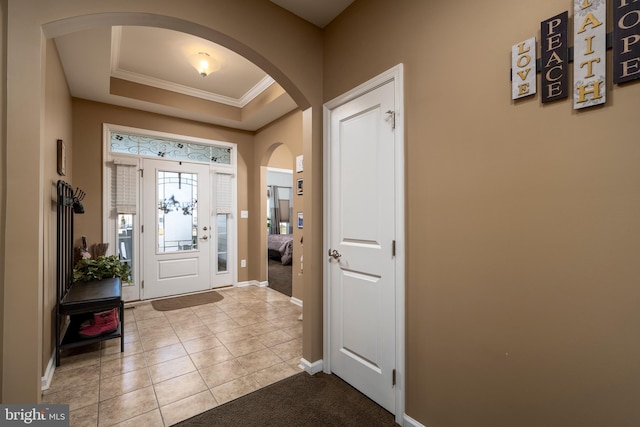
(280, 247)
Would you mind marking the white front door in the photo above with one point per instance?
(361, 241)
(177, 229)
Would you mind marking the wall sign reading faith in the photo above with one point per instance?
(589, 53)
(523, 66)
(626, 40)
(555, 57)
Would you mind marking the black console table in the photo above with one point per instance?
(81, 301)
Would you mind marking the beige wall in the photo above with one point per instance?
(281, 158)
(522, 220)
(88, 119)
(277, 145)
(292, 55)
(58, 125)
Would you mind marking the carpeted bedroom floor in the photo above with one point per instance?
(280, 277)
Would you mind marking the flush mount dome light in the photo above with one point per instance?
(205, 64)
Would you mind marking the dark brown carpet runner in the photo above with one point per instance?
(300, 400)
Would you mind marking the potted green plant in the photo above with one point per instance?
(101, 267)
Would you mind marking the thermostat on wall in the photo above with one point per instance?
(244, 214)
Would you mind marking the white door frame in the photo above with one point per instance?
(395, 75)
(134, 292)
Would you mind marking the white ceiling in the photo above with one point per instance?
(161, 59)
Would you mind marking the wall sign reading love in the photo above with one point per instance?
(589, 54)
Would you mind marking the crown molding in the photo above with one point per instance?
(117, 72)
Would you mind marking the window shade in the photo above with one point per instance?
(223, 193)
(126, 183)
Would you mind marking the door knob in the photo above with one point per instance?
(335, 254)
(205, 237)
(205, 228)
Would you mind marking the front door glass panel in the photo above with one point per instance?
(177, 211)
(222, 227)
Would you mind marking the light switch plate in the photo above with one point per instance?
(299, 163)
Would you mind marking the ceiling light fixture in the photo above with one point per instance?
(205, 64)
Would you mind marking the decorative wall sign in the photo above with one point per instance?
(626, 40)
(554, 47)
(589, 53)
(523, 66)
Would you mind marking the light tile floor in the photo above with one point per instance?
(177, 364)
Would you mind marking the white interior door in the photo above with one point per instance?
(177, 229)
(362, 262)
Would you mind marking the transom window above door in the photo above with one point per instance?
(146, 146)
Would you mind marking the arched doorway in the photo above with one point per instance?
(284, 233)
(23, 347)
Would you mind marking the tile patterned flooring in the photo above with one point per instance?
(179, 363)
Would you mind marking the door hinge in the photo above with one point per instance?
(142, 285)
(142, 228)
(141, 173)
(392, 116)
(393, 248)
(393, 378)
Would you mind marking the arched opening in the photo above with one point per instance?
(78, 23)
(284, 233)
(23, 364)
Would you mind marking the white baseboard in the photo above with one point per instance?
(250, 283)
(48, 373)
(296, 301)
(263, 284)
(311, 368)
(410, 422)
